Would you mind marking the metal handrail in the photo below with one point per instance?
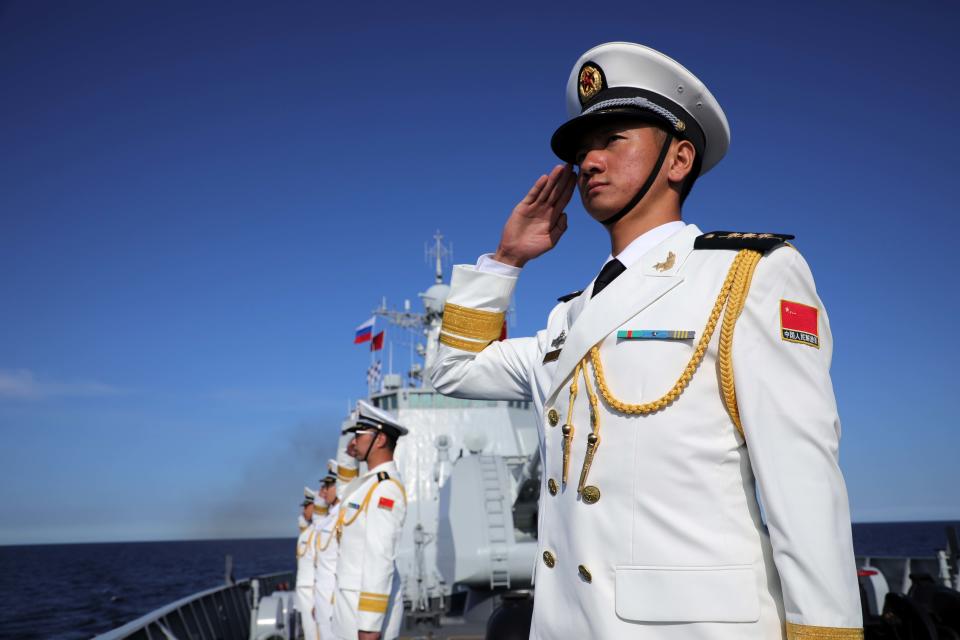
(220, 612)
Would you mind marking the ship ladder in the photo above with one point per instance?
(497, 522)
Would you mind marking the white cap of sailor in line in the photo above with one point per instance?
(369, 419)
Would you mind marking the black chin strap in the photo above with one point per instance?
(370, 448)
(646, 185)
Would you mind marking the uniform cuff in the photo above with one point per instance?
(481, 290)
(475, 310)
(372, 608)
(487, 264)
(808, 632)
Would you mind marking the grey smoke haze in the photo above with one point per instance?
(268, 491)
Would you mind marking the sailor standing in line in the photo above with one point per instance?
(692, 371)
(369, 601)
(327, 549)
(348, 468)
(305, 569)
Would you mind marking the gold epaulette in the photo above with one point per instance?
(738, 240)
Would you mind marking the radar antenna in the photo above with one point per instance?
(438, 252)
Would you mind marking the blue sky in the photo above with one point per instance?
(200, 201)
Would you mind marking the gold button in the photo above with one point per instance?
(552, 486)
(585, 574)
(590, 494)
(553, 417)
(548, 559)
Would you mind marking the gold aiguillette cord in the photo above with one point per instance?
(567, 428)
(593, 440)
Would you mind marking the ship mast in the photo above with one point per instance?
(426, 325)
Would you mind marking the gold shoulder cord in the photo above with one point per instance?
(341, 516)
(333, 534)
(306, 545)
(733, 295)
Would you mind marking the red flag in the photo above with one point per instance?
(377, 343)
(799, 323)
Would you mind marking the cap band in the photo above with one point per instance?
(373, 424)
(638, 103)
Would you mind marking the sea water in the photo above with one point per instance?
(79, 590)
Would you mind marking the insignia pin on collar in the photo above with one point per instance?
(667, 263)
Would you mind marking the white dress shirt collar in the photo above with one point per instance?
(646, 241)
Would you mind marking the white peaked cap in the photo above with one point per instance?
(370, 417)
(623, 79)
(332, 469)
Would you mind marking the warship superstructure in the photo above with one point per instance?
(470, 468)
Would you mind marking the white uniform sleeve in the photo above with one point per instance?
(790, 422)
(385, 514)
(347, 466)
(471, 362)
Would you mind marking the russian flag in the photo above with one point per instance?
(364, 331)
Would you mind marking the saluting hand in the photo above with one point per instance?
(538, 221)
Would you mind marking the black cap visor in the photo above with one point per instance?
(567, 139)
(648, 107)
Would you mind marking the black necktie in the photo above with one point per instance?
(607, 275)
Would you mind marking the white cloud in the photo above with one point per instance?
(22, 384)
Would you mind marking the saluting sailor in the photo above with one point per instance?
(369, 603)
(348, 469)
(691, 371)
(326, 551)
(305, 568)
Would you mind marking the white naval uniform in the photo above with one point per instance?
(305, 577)
(675, 548)
(325, 578)
(368, 595)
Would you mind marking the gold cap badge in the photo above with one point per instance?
(590, 82)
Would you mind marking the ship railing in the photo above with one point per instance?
(221, 612)
(897, 569)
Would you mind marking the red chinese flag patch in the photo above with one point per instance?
(385, 503)
(799, 323)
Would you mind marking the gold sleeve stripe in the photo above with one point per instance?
(380, 596)
(347, 474)
(463, 345)
(472, 323)
(807, 632)
(372, 604)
